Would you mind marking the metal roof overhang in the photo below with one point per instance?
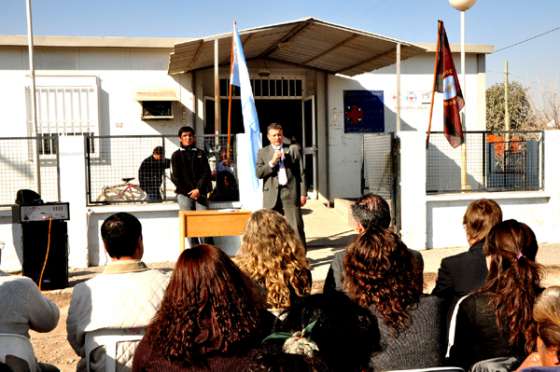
(309, 43)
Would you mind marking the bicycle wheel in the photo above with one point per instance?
(114, 193)
(134, 193)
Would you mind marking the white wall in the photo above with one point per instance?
(121, 73)
(345, 149)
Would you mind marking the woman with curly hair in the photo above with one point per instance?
(210, 318)
(496, 320)
(379, 275)
(273, 256)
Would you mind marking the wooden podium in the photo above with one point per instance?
(194, 224)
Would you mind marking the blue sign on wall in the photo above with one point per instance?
(363, 111)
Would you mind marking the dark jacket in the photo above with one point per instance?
(150, 174)
(190, 170)
(477, 336)
(459, 275)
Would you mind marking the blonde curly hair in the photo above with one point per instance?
(273, 256)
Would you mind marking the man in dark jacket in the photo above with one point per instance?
(190, 172)
(465, 272)
(151, 173)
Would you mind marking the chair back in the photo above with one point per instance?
(18, 346)
(119, 346)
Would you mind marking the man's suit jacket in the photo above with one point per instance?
(460, 274)
(294, 169)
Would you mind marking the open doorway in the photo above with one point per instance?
(287, 112)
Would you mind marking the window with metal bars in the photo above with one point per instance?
(268, 88)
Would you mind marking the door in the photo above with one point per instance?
(309, 145)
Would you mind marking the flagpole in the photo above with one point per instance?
(32, 89)
(434, 85)
(230, 92)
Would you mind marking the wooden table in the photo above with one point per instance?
(193, 224)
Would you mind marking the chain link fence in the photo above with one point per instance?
(498, 161)
(18, 167)
(113, 164)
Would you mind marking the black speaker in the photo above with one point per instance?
(35, 239)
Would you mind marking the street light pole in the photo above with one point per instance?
(463, 6)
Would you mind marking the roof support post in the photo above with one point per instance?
(398, 88)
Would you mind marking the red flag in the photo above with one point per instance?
(447, 82)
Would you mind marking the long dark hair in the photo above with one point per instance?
(513, 281)
(379, 272)
(208, 306)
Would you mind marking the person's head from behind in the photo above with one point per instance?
(378, 266)
(513, 279)
(342, 334)
(481, 215)
(122, 236)
(186, 136)
(370, 209)
(272, 254)
(546, 314)
(209, 306)
(157, 153)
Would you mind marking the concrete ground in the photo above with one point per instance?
(329, 230)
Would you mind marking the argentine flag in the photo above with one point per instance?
(248, 143)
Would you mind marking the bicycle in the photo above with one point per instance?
(123, 192)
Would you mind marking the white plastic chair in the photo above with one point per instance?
(19, 346)
(119, 345)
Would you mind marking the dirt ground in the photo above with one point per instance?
(53, 348)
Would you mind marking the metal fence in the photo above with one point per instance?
(499, 161)
(113, 162)
(18, 167)
(380, 169)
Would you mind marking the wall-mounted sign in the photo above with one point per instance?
(363, 111)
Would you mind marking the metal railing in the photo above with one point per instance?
(496, 161)
(113, 162)
(18, 167)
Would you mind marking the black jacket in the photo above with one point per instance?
(190, 170)
(459, 275)
(150, 174)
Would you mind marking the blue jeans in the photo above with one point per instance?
(188, 204)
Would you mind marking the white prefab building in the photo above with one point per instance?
(94, 93)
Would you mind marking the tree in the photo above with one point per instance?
(521, 113)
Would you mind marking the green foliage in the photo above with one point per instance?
(521, 112)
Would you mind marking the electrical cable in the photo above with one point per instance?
(528, 39)
(46, 254)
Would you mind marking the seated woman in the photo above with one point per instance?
(546, 314)
(329, 332)
(496, 320)
(273, 256)
(23, 308)
(379, 275)
(210, 318)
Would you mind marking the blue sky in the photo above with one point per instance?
(496, 22)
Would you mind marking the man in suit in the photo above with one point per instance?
(465, 272)
(281, 168)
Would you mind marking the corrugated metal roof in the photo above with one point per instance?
(308, 43)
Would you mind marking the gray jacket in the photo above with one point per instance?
(294, 169)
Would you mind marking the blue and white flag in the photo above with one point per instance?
(250, 190)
